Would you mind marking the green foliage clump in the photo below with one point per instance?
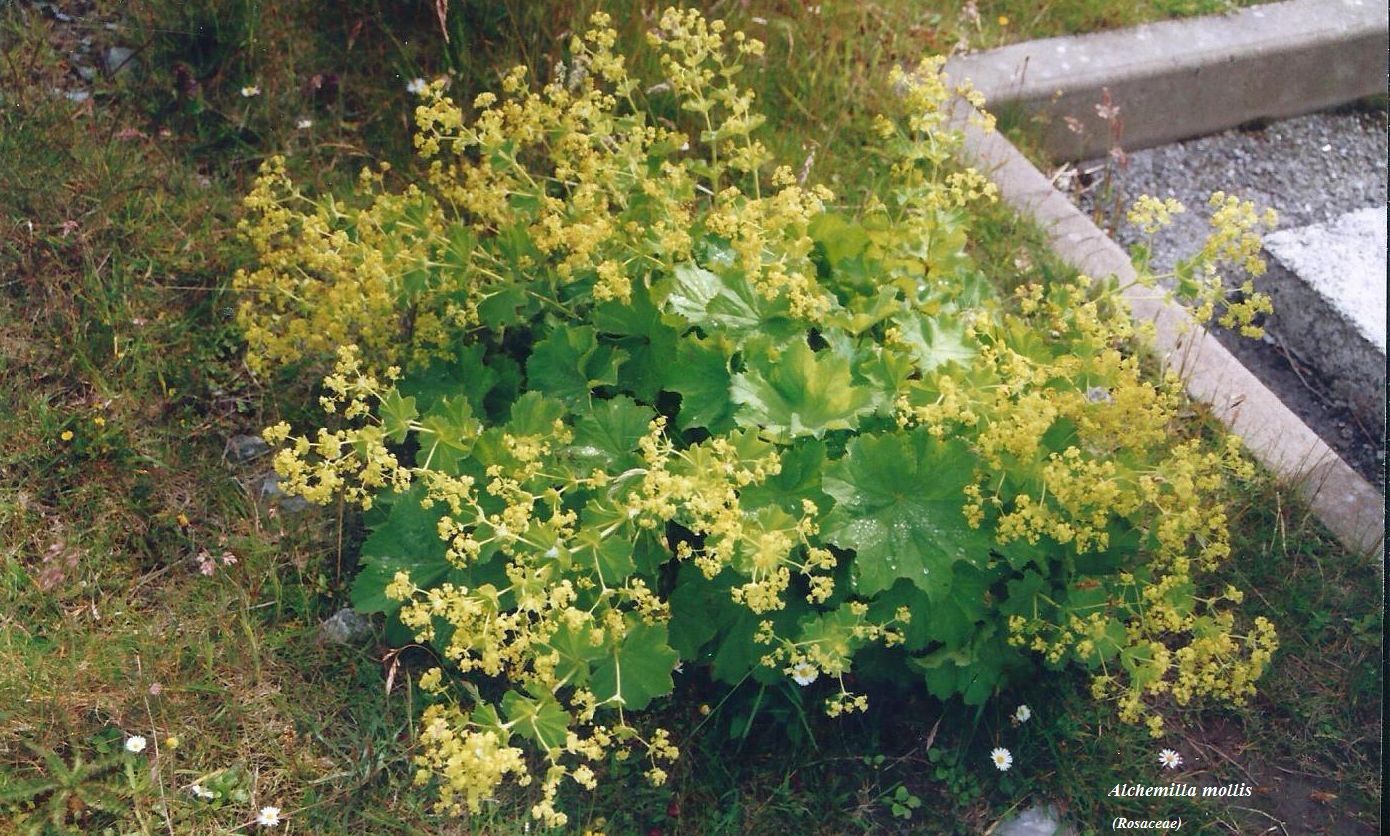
(618, 394)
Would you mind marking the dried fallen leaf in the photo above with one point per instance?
(441, 8)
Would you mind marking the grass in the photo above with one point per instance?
(116, 240)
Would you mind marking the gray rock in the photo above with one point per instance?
(346, 626)
(118, 59)
(244, 448)
(87, 73)
(1038, 820)
(1328, 286)
(1344, 263)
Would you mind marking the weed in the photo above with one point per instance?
(116, 242)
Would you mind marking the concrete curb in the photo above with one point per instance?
(1328, 285)
(1179, 79)
(1346, 503)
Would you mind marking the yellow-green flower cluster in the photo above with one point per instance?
(1234, 245)
(354, 462)
(1151, 214)
(330, 274)
(473, 762)
(550, 204)
(1124, 467)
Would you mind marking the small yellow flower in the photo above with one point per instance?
(171, 742)
(1003, 20)
(67, 435)
(99, 421)
(182, 520)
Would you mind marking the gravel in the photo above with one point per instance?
(1311, 169)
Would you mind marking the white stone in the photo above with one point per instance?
(1344, 262)
(1038, 820)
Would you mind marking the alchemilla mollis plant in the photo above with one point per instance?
(618, 392)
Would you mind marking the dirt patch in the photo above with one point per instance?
(1283, 799)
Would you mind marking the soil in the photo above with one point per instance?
(1311, 169)
(1283, 799)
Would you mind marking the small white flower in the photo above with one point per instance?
(250, 90)
(804, 673)
(199, 791)
(268, 817)
(1022, 714)
(417, 86)
(304, 124)
(1002, 759)
(1170, 759)
(135, 743)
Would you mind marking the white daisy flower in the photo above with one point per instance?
(417, 86)
(250, 90)
(1170, 759)
(1002, 759)
(199, 791)
(1022, 714)
(268, 817)
(804, 673)
(304, 124)
(135, 744)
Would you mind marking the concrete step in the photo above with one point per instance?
(1328, 282)
(1183, 78)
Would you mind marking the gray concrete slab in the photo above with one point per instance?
(1177, 79)
(1328, 283)
(1343, 262)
